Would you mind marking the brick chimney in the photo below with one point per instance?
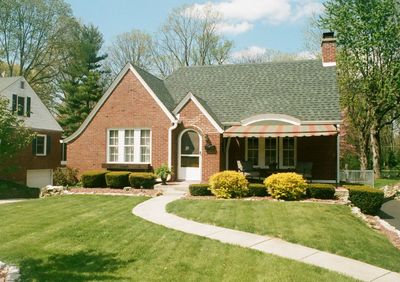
(328, 46)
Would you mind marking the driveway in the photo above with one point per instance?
(390, 212)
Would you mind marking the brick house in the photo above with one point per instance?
(34, 165)
(203, 119)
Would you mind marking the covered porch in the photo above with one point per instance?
(278, 148)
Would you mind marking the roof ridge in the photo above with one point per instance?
(249, 64)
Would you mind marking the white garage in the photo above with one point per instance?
(39, 177)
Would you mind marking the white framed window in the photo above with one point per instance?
(129, 145)
(145, 146)
(287, 152)
(41, 145)
(252, 150)
(271, 151)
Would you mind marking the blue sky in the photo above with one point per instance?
(254, 24)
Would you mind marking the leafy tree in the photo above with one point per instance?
(189, 37)
(368, 35)
(82, 84)
(134, 47)
(31, 40)
(14, 136)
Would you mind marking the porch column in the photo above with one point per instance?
(337, 157)
(228, 144)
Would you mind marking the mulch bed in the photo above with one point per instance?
(109, 191)
(267, 198)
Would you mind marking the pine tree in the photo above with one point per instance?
(83, 84)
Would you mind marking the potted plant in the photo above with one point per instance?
(163, 172)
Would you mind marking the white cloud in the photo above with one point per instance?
(234, 28)
(252, 51)
(240, 15)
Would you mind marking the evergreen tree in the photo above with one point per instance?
(82, 84)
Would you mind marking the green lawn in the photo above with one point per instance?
(96, 238)
(326, 227)
(386, 181)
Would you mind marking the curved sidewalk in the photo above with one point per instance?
(154, 210)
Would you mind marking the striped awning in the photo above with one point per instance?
(281, 130)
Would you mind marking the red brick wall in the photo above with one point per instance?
(328, 51)
(191, 117)
(26, 160)
(129, 106)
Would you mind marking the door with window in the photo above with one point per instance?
(189, 156)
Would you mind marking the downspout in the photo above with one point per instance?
(338, 156)
(170, 129)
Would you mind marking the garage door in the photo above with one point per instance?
(39, 177)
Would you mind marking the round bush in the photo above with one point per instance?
(65, 176)
(229, 184)
(117, 179)
(286, 186)
(144, 180)
(94, 178)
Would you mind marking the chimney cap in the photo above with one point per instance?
(329, 34)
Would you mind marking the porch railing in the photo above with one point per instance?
(365, 177)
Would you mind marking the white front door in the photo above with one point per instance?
(189, 155)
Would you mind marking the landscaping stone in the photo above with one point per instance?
(391, 191)
(9, 273)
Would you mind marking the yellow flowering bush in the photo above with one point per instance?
(286, 186)
(228, 184)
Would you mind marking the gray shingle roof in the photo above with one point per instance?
(304, 89)
(158, 87)
(7, 81)
(231, 93)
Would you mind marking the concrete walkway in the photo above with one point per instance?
(154, 211)
(12, 201)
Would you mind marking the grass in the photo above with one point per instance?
(326, 227)
(379, 183)
(96, 238)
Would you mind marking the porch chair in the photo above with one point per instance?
(246, 167)
(305, 169)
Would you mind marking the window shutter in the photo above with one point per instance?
(14, 103)
(34, 146)
(48, 145)
(28, 106)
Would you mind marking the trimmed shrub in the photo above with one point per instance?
(12, 190)
(200, 190)
(321, 191)
(229, 184)
(368, 199)
(94, 178)
(286, 186)
(65, 176)
(257, 190)
(144, 180)
(117, 179)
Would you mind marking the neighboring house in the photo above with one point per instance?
(34, 165)
(201, 120)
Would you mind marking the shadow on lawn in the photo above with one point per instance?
(80, 266)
